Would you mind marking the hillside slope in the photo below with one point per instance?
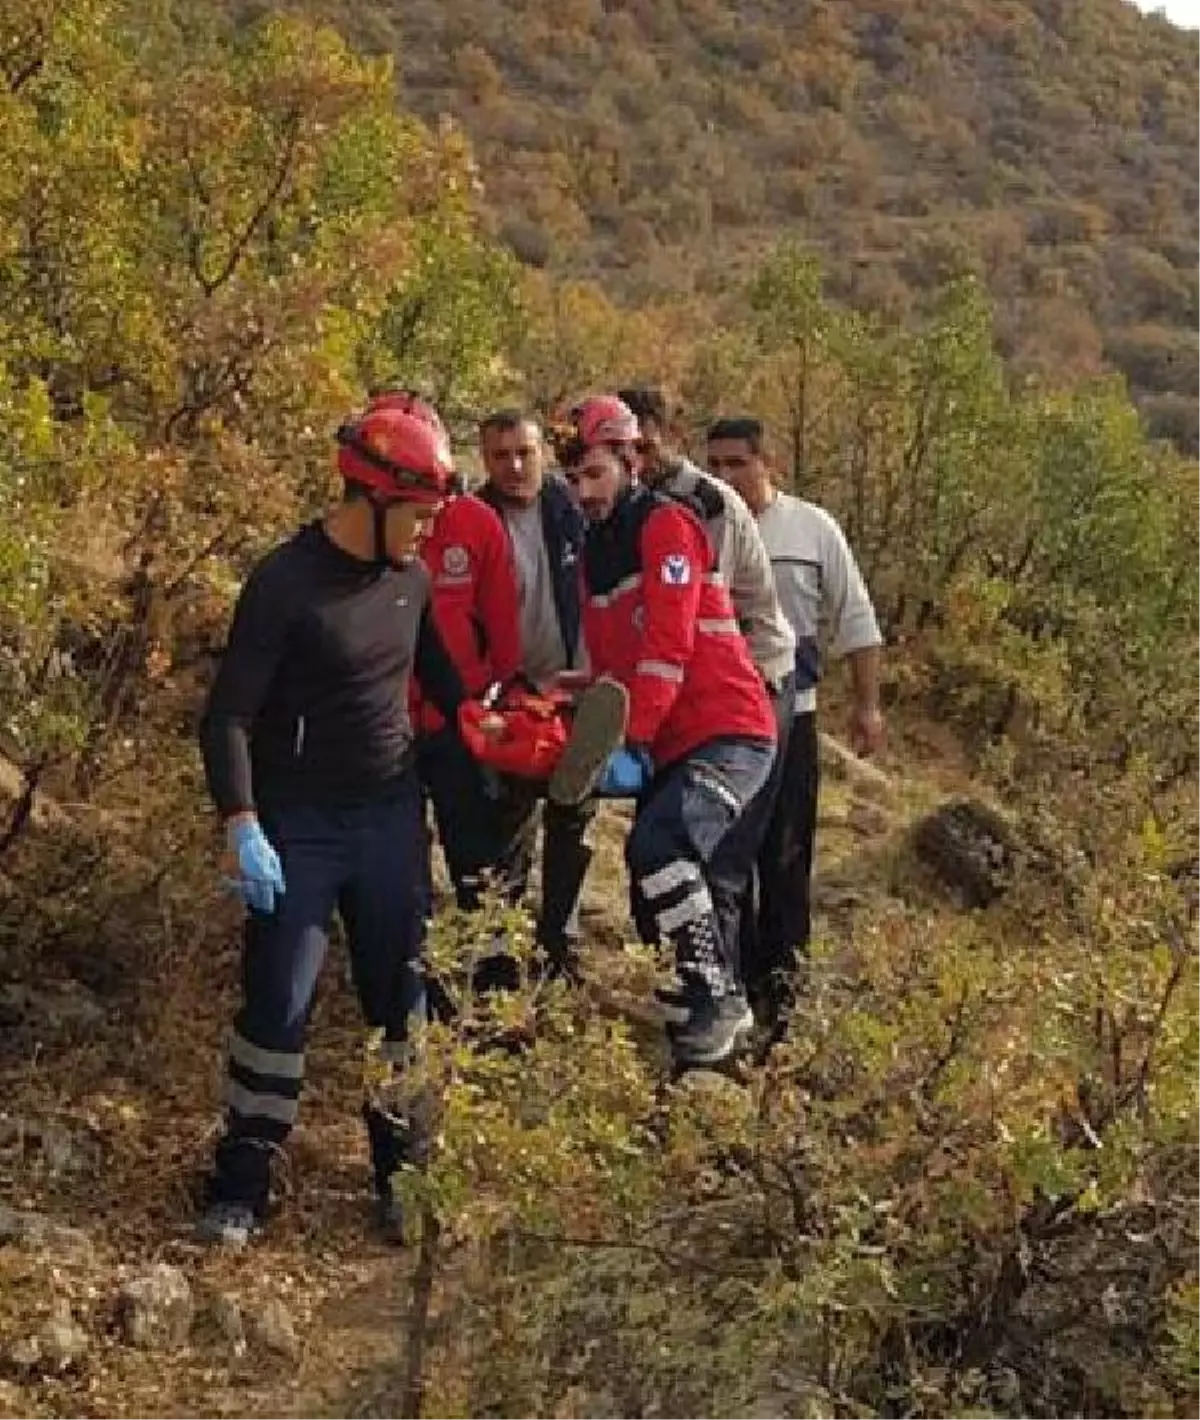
(657, 144)
(107, 1162)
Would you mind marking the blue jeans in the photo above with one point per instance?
(370, 863)
(688, 863)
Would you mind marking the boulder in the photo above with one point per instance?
(63, 1341)
(62, 1150)
(12, 1399)
(155, 1310)
(220, 1321)
(969, 848)
(273, 1329)
(59, 1344)
(35, 1231)
(59, 1008)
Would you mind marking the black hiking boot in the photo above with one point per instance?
(705, 1029)
(237, 1193)
(597, 728)
(230, 1225)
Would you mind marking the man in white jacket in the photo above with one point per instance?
(819, 585)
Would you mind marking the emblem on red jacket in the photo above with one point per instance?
(456, 561)
(676, 570)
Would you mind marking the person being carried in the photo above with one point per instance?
(700, 735)
(309, 757)
(819, 584)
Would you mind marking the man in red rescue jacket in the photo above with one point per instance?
(700, 739)
(476, 610)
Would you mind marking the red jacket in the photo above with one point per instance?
(476, 604)
(657, 616)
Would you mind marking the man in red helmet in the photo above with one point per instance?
(308, 753)
(700, 739)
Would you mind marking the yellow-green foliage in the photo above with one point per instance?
(969, 1183)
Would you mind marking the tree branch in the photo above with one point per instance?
(412, 1396)
(951, 1049)
(219, 541)
(238, 250)
(1160, 1015)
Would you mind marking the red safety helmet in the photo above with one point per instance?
(408, 403)
(604, 419)
(421, 409)
(599, 419)
(397, 455)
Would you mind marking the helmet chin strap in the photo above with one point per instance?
(379, 511)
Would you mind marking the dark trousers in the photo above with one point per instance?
(485, 834)
(776, 929)
(370, 864)
(689, 858)
(565, 860)
(489, 830)
(736, 915)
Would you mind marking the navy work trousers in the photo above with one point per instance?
(492, 834)
(369, 863)
(688, 861)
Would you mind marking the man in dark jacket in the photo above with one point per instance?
(546, 530)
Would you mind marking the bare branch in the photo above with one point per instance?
(238, 250)
(28, 65)
(221, 541)
(951, 1048)
(1143, 1075)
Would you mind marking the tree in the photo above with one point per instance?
(199, 238)
(446, 321)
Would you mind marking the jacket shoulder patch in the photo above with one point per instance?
(676, 569)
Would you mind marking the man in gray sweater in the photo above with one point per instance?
(743, 563)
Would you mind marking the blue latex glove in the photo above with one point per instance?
(626, 774)
(260, 874)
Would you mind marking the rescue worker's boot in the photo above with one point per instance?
(237, 1194)
(708, 1019)
(396, 1142)
(597, 728)
(706, 1025)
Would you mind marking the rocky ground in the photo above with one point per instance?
(106, 1305)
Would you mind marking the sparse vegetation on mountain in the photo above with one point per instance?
(969, 1184)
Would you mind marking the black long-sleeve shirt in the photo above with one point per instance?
(310, 704)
